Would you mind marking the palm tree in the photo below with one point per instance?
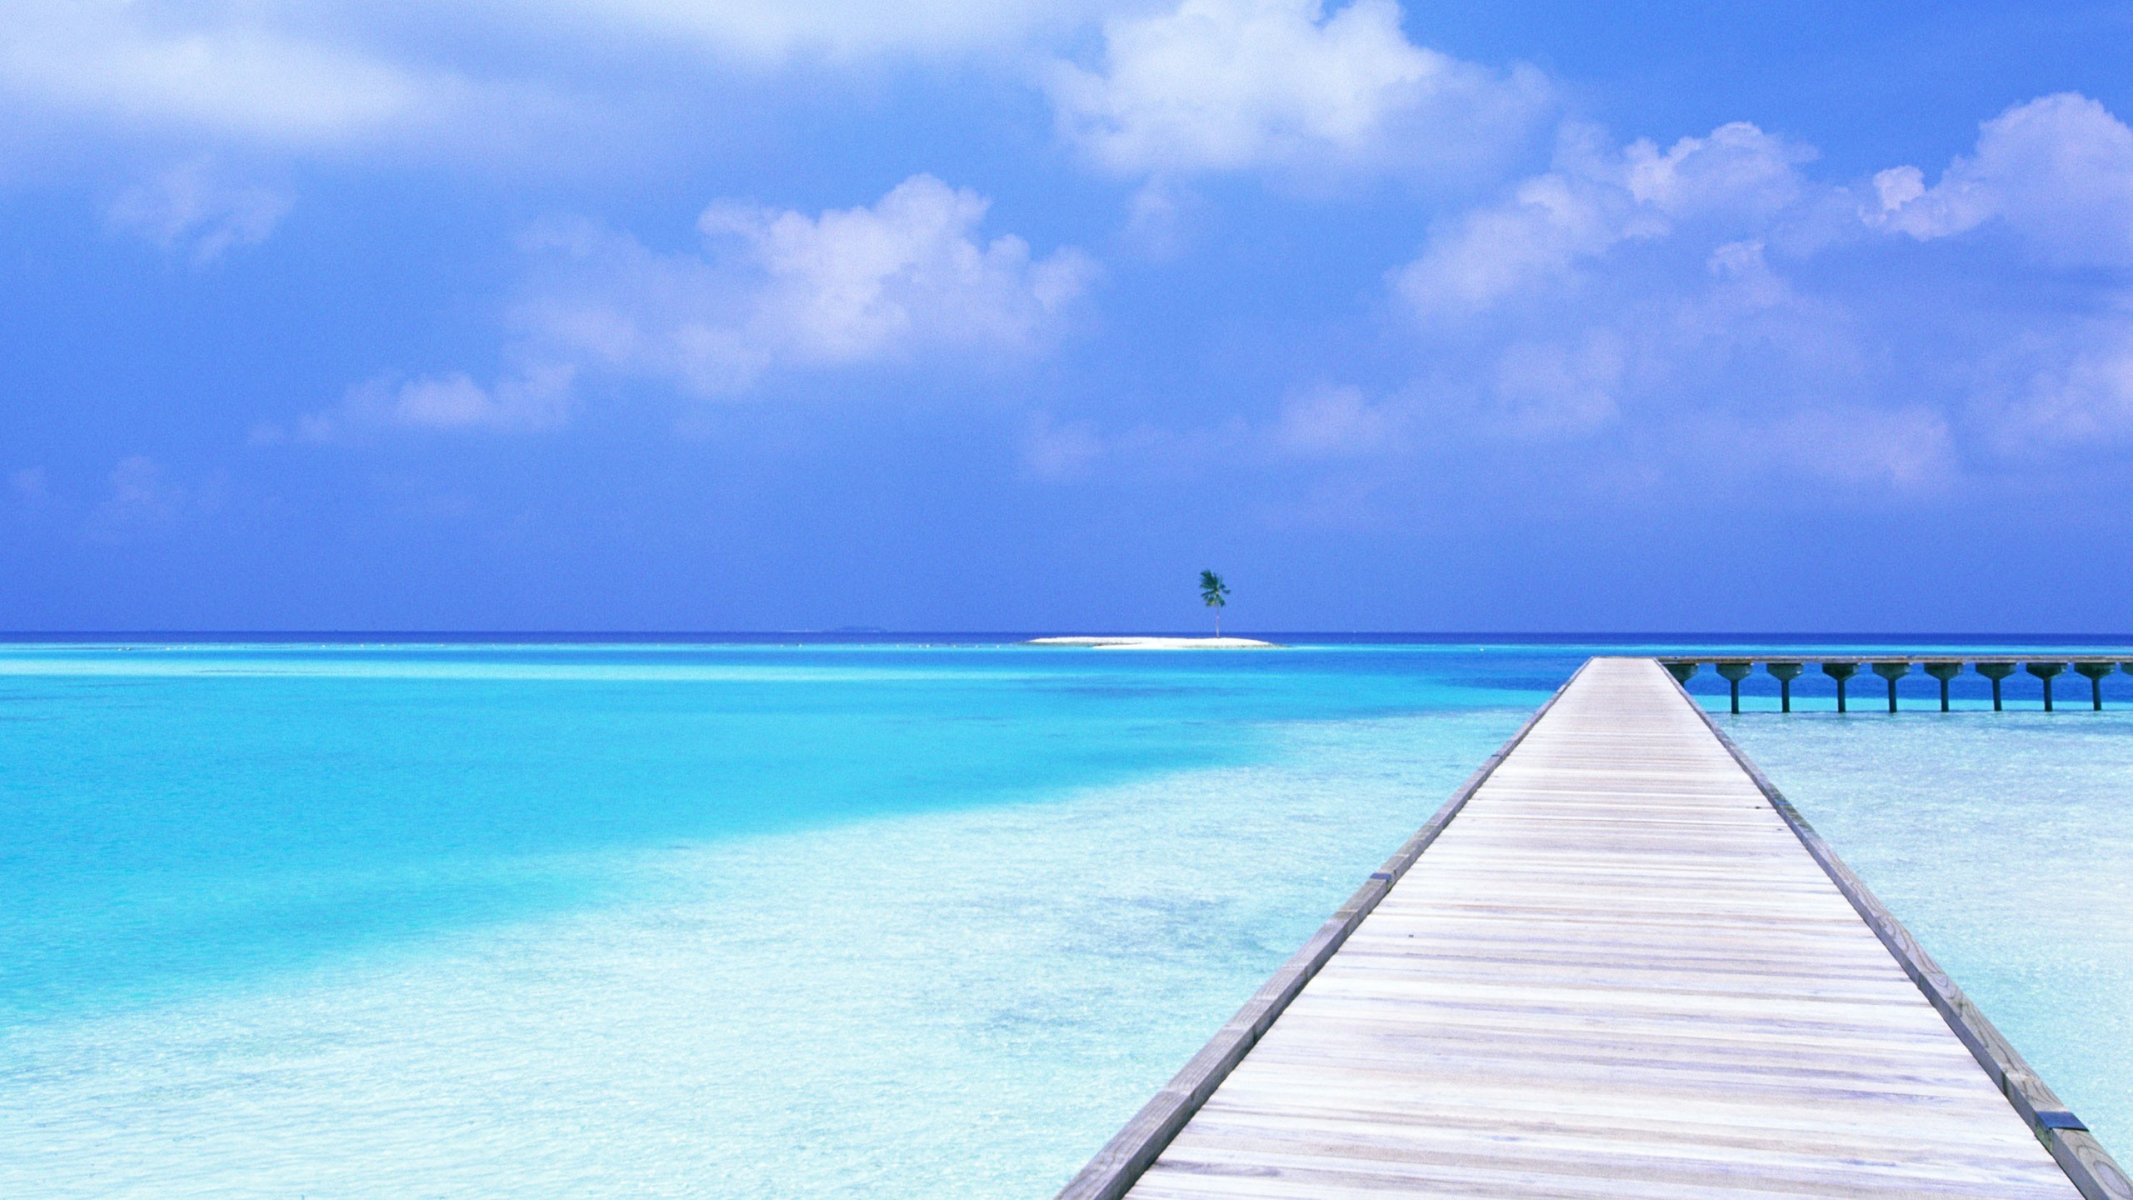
(1214, 594)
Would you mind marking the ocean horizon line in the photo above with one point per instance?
(1792, 638)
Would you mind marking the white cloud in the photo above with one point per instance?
(1627, 294)
(2058, 170)
(2086, 400)
(187, 211)
(143, 498)
(140, 493)
(1557, 388)
(532, 400)
(1551, 223)
(1221, 85)
(149, 68)
(1323, 428)
(773, 31)
(1595, 199)
(471, 75)
(1738, 171)
(1055, 452)
(905, 279)
(908, 276)
(2067, 384)
(1337, 421)
(1687, 308)
(1907, 449)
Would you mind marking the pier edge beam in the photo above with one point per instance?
(1786, 672)
(1733, 673)
(1842, 673)
(1995, 671)
(1944, 671)
(1892, 671)
(2046, 671)
(2094, 673)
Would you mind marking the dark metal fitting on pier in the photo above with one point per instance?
(2059, 1118)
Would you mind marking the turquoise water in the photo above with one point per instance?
(773, 920)
(2004, 842)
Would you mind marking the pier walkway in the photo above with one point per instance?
(1618, 966)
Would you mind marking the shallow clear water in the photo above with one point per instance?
(759, 920)
(2004, 842)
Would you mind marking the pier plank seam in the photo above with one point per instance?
(1698, 1010)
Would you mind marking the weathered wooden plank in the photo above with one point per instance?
(2092, 1170)
(1616, 974)
(1123, 1160)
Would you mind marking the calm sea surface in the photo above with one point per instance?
(858, 918)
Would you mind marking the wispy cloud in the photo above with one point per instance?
(142, 497)
(233, 75)
(775, 32)
(187, 211)
(2068, 384)
(1737, 179)
(1338, 421)
(535, 399)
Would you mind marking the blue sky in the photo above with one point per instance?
(645, 314)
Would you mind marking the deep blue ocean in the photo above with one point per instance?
(834, 916)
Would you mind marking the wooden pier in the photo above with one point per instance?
(1943, 668)
(1616, 964)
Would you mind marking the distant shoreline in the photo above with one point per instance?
(1156, 643)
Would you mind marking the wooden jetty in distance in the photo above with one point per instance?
(1617, 963)
(1943, 667)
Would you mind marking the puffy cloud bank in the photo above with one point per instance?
(1717, 297)
(907, 279)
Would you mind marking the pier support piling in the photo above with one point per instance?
(2045, 671)
(1892, 671)
(1841, 669)
(1995, 671)
(2095, 672)
(1734, 672)
(1841, 672)
(1786, 672)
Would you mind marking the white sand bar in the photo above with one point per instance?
(1617, 971)
(1155, 643)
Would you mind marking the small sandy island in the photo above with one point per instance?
(1155, 643)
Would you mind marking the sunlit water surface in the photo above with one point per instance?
(761, 920)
